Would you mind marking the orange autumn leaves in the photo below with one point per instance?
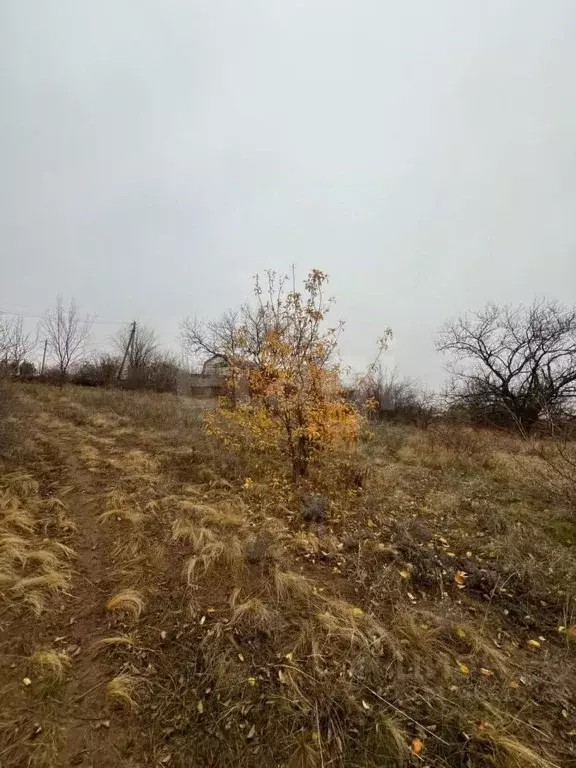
(416, 746)
(293, 404)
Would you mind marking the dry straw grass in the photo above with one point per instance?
(504, 751)
(345, 642)
(122, 507)
(32, 569)
(129, 602)
(121, 691)
(226, 557)
(114, 641)
(251, 614)
(52, 665)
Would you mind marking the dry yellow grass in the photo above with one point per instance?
(197, 535)
(251, 613)
(225, 557)
(31, 568)
(128, 601)
(507, 752)
(121, 690)
(417, 624)
(52, 665)
(114, 640)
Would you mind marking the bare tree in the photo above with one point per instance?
(204, 339)
(514, 364)
(144, 347)
(396, 398)
(67, 334)
(15, 343)
(240, 335)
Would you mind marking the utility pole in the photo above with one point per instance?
(44, 357)
(129, 346)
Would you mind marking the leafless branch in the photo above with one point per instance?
(67, 334)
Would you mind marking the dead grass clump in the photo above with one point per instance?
(136, 462)
(44, 559)
(18, 519)
(226, 556)
(291, 586)
(476, 645)
(52, 665)
(251, 614)
(198, 535)
(306, 541)
(307, 753)
(387, 743)
(220, 517)
(22, 484)
(350, 631)
(33, 591)
(447, 447)
(51, 581)
(64, 549)
(262, 550)
(122, 507)
(121, 690)
(504, 751)
(114, 641)
(13, 555)
(128, 601)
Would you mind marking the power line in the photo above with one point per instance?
(95, 321)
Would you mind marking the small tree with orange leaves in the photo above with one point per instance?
(294, 403)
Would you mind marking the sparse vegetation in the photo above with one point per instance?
(183, 607)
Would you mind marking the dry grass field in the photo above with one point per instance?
(165, 604)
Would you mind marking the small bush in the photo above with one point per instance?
(7, 424)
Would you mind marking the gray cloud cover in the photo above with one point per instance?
(155, 155)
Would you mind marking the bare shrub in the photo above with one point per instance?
(15, 345)
(396, 399)
(7, 425)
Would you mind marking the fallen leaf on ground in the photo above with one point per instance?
(416, 746)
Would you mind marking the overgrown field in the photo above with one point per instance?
(164, 603)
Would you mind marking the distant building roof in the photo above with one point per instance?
(216, 361)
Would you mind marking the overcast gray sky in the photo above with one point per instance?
(156, 154)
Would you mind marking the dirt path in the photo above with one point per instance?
(70, 723)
